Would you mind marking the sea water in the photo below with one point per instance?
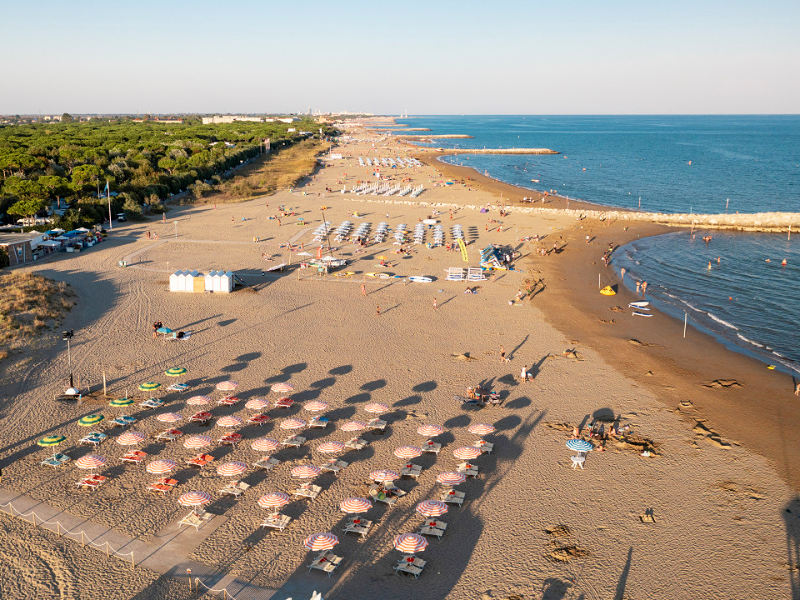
(700, 164)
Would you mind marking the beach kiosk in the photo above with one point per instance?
(220, 282)
(176, 282)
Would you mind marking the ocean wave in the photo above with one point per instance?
(722, 322)
(749, 341)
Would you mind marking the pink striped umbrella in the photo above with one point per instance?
(256, 404)
(467, 452)
(196, 441)
(451, 478)
(230, 469)
(169, 417)
(194, 498)
(227, 386)
(376, 407)
(353, 426)
(265, 445)
(331, 447)
(320, 541)
(408, 452)
(429, 430)
(305, 471)
(315, 406)
(159, 467)
(90, 461)
(274, 500)
(292, 424)
(409, 543)
(481, 428)
(431, 508)
(198, 400)
(384, 475)
(229, 421)
(282, 388)
(131, 438)
(355, 505)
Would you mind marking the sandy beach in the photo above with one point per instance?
(712, 512)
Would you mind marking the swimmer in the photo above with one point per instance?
(709, 265)
(783, 262)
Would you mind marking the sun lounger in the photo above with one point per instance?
(376, 424)
(52, 462)
(307, 491)
(412, 471)
(196, 520)
(333, 465)
(453, 497)
(318, 421)
(159, 487)
(123, 421)
(201, 417)
(267, 464)
(228, 401)
(95, 439)
(359, 526)
(278, 522)
(234, 488)
(468, 469)
(295, 441)
(326, 561)
(168, 481)
(390, 496)
(484, 446)
(201, 460)
(428, 530)
(258, 419)
(284, 403)
(135, 457)
(169, 435)
(230, 439)
(356, 443)
(432, 447)
(89, 484)
(411, 565)
(152, 403)
(178, 387)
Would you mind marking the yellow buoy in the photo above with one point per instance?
(608, 291)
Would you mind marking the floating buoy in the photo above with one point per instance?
(771, 367)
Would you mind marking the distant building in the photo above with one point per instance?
(230, 119)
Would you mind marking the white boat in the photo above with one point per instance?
(420, 279)
(642, 305)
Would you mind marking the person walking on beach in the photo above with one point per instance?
(364, 289)
(377, 311)
(434, 304)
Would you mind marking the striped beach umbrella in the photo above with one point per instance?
(256, 404)
(376, 408)
(481, 428)
(227, 386)
(315, 406)
(320, 541)
(149, 386)
(292, 423)
(51, 440)
(451, 478)
(384, 476)
(265, 445)
(119, 402)
(90, 461)
(159, 467)
(196, 441)
(175, 372)
(429, 430)
(194, 498)
(274, 500)
(331, 447)
(231, 469)
(353, 426)
(169, 417)
(198, 400)
(410, 543)
(355, 505)
(467, 452)
(408, 452)
(229, 421)
(282, 388)
(90, 420)
(431, 508)
(579, 445)
(305, 471)
(131, 438)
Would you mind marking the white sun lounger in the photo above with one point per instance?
(278, 522)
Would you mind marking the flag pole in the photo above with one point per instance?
(108, 196)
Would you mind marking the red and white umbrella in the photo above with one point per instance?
(431, 508)
(198, 400)
(315, 406)
(231, 469)
(90, 461)
(481, 428)
(320, 541)
(159, 467)
(410, 543)
(274, 500)
(131, 438)
(305, 471)
(194, 498)
(169, 417)
(256, 404)
(376, 407)
(355, 505)
(196, 441)
(331, 447)
(227, 386)
(408, 452)
(384, 475)
(282, 388)
(292, 423)
(265, 445)
(429, 430)
(467, 452)
(229, 421)
(353, 426)
(451, 478)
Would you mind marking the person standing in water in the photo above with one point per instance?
(644, 288)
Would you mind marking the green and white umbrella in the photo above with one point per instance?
(90, 420)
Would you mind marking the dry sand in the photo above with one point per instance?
(531, 526)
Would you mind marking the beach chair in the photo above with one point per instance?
(152, 403)
(453, 497)
(123, 421)
(295, 441)
(411, 565)
(307, 490)
(326, 561)
(333, 466)
(178, 387)
(230, 439)
(258, 419)
(135, 457)
(359, 526)
(577, 461)
(276, 521)
(432, 531)
(202, 417)
(228, 401)
(201, 460)
(196, 519)
(389, 497)
(94, 438)
(484, 446)
(284, 403)
(88, 483)
(159, 487)
(411, 470)
(267, 464)
(235, 489)
(467, 469)
(356, 443)
(376, 425)
(169, 435)
(53, 462)
(431, 447)
(319, 421)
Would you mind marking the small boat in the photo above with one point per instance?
(420, 279)
(642, 305)
(344, 274)
(535, 180)
(641, 314)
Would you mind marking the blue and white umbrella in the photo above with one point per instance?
(579, 445)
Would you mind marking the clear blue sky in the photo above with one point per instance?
(433, 57)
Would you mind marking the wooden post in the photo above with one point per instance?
(83, 543)
(33, 518)
(107, 549)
